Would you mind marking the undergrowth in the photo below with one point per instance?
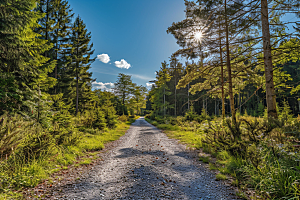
(259, 154)
(31, 152)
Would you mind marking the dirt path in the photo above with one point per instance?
(146, 164)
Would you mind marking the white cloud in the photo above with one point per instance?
(122, 64)
(103, 58)
(149, 85)
(103, 86)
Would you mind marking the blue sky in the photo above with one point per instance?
(132, 30)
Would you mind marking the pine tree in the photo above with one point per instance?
(55, 27)
(22, 63)
(80, 53)
(123, 89)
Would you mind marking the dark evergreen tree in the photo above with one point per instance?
(80, 52)
(22, 65)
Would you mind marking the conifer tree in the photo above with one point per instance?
(55, 27)
(159, 92)
(80, 55)
(22, 63)
(123, 89)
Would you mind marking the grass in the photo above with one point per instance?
(204, 159)
(273, 172)
(221, 177)
(212, 166)
(17, 173)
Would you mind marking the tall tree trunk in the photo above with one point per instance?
(222, 71)
(270, 93)
(229, 70)
(189, 97)
(215, 107)
(77, 91)
(77, 79)
(164, 101)
(123, 104)
(55, 75)
(175, 89)
(240, 102)
(39, 103)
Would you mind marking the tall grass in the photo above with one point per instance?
(30, 152)
(259, 153)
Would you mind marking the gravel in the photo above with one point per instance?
(146, 164)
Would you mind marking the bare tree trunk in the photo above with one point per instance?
(55, 75)
(164, 101)
(206, 105)
(229, 70)
(189, 97)
(77, 94)
(39, 103)
(215, 107)
(77, 80)
(270, 93)
(240, 102)
(175, 88)
(222, 75)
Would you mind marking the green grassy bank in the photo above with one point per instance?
(36, 152)
(259, 156)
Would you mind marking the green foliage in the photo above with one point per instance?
(260, 109)
(204, 159)
(30, 152)
(10, 133)
(191, 115)
(123, 118)
(9, 94)
(221, 177)
(285, 112)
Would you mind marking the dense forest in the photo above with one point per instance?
(203, 80)
(232, 91)
(48, 108)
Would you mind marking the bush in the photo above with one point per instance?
(191, 115)
(123, 118)
(168, 127)
(37, 142)
(99, 120)
(11, 133)
(111, 118)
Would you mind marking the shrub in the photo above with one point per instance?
(191, 115)
(99, 120)
(221, 177)
(36, 142)
(11, 133)
(123, 118)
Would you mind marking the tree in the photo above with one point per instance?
(138, 99)
(22, 64)
(80, 54)
(123, 89)
(161, 89)
(270, 92)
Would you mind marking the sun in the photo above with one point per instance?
(198, 36)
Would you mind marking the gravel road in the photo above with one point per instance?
(146, 164)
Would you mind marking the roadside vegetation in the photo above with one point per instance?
(30, 153)
(258, 154)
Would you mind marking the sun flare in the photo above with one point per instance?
(198, 36)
